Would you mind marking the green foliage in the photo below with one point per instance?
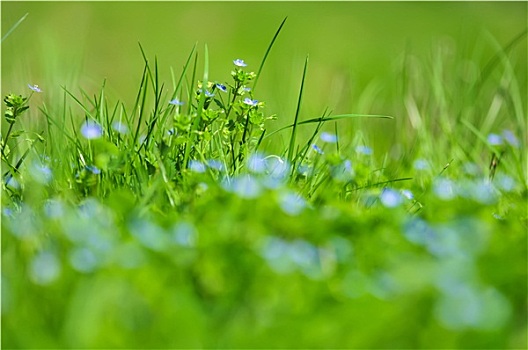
(168, 224)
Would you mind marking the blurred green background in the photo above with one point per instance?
(357, 51)
(355, 48)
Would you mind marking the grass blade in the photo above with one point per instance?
(14, 26)
(267, 52)
(295, 121)
(330, 118)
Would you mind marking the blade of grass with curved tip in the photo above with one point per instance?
(330, 118)
(14, 27)
(295, 120)
(267, 52)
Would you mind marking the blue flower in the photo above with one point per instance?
(176, 102)
(292, 203)
(257, 163)
(221, 87)
(510, 138)
(215, 164)
(390, 198)
(197, 166)
(239, 63)
(245, 186)
(327, 137)
(250, 102)
(317, 149)
(93, 169)
(119, 127)
(421, 164)
(408, 194)
(208, 93)
(34, 88)
(366, 150)
(494, 139)
(91, 130)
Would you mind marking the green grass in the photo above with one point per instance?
(217, 223)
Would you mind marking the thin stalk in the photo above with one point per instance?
(294, 125)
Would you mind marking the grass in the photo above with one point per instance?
(164, 224)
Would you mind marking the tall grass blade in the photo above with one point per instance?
(14, 27)
(267, 52)
(297, 111)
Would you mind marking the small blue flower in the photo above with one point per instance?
(221, 87)
(327, 137)
(292, 203)
(91, 130)
(93, 169)
(246, 89)
(317, 149)
(250, 102)
(510, 138)
(494, 139)
(215, 164)
(239, 63)
(34, 88)
(390, 198)
(408, 194)
(445, 189)
(257, 163)
(208, 93)
(421, 164)
(176, 102)
(197, 166)
(120, 127)
(366, 150)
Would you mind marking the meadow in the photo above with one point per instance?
(264, 175)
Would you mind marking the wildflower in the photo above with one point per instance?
(257, 163)
(120, 127)
(277, 168)
(208, 93)
(407, 194)
(342, 172)
(83, 260)
(91, 130)
(184, 234)
(216, 165)
(239, 63)
(366, 150)
(327, 137)
(250, 102)
(197, 166)
(390, 198)
(444, 188)
(176, 102)
(93, 169)
(510, 138)
(494, 139)
(317, 149)
(221, 87)
(291, 203)
(421, 164)
(34, 88)
(245, 186)
(45, 268)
